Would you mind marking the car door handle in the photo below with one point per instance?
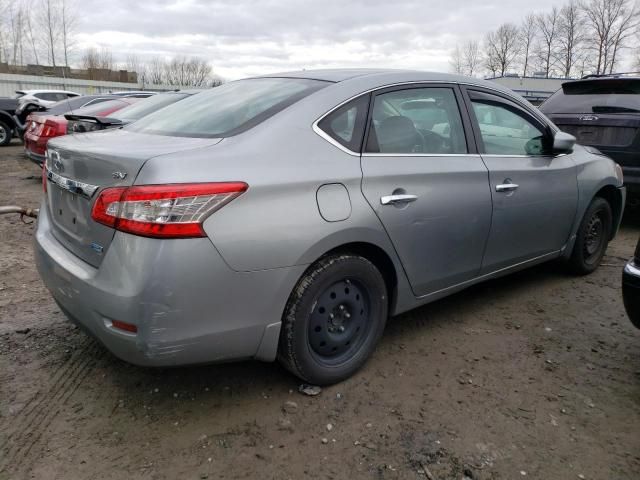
(397, 199)
(506, 187)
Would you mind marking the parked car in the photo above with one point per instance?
(631, 287)
(58, 108)
(8, 108)
(87, 123)
(603, 112)
(43, 97)
(288, 215)
(40, 128)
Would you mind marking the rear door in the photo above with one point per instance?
(427, 184)
(534, 192)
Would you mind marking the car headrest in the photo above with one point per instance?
(398, 134)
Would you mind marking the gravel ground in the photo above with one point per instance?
(535, 375)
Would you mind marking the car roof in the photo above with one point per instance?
(384, 76)
(29, 92)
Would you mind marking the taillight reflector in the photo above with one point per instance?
(127, 327)
(163, 211)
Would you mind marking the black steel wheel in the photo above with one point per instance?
(333, 319)
(592, 237)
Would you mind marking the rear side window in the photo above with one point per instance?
(47, 96)
(229, 109)
(417, 120)
(346, 124)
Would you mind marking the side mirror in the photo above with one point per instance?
(563, 142)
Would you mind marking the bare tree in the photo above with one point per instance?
(611, 22)
(471, 57)
(49, 26)
(570, 36)
(92, 58)
(548, 36)
(455, 61)
(16, 25)
(155, 69)
(626, 27)
(502, 48)
(180, 71)
(68, 21)
(29, 31)
(528, 32)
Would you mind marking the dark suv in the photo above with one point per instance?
(603, 112)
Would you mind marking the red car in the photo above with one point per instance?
(41, 127)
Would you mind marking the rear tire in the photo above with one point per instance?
(5, 134)
(333, 320)
(592, 237)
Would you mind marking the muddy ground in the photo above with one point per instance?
(536, 375)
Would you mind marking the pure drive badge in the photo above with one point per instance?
(97, 248)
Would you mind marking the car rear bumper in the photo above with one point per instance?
(34, 157)
(188, 306)
(631, 291)
(34, 147)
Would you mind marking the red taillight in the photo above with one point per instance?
(163, 211)
(52, 128)
(127, 327)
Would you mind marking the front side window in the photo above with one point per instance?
(417, 120)
(346, 124)
(228, 109)
(506, 130)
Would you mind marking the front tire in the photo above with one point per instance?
(5, 134)
(592, 237)
(333, 319)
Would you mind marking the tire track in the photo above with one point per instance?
(32, 426)
(25, 418)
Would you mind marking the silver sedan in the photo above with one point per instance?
(288, 216)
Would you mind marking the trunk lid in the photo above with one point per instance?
(81, 165)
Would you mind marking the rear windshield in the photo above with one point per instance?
(66, 106)
(148, 105)
(228, 109)
(96, 109)
(616, 95)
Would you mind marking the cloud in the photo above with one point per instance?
(247, 37)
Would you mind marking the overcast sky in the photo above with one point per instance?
(246, 37)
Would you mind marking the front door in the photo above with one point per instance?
(534, 193)
(426, 183)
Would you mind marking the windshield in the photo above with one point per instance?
(228, 109)
(147, 106)
(595, 96)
